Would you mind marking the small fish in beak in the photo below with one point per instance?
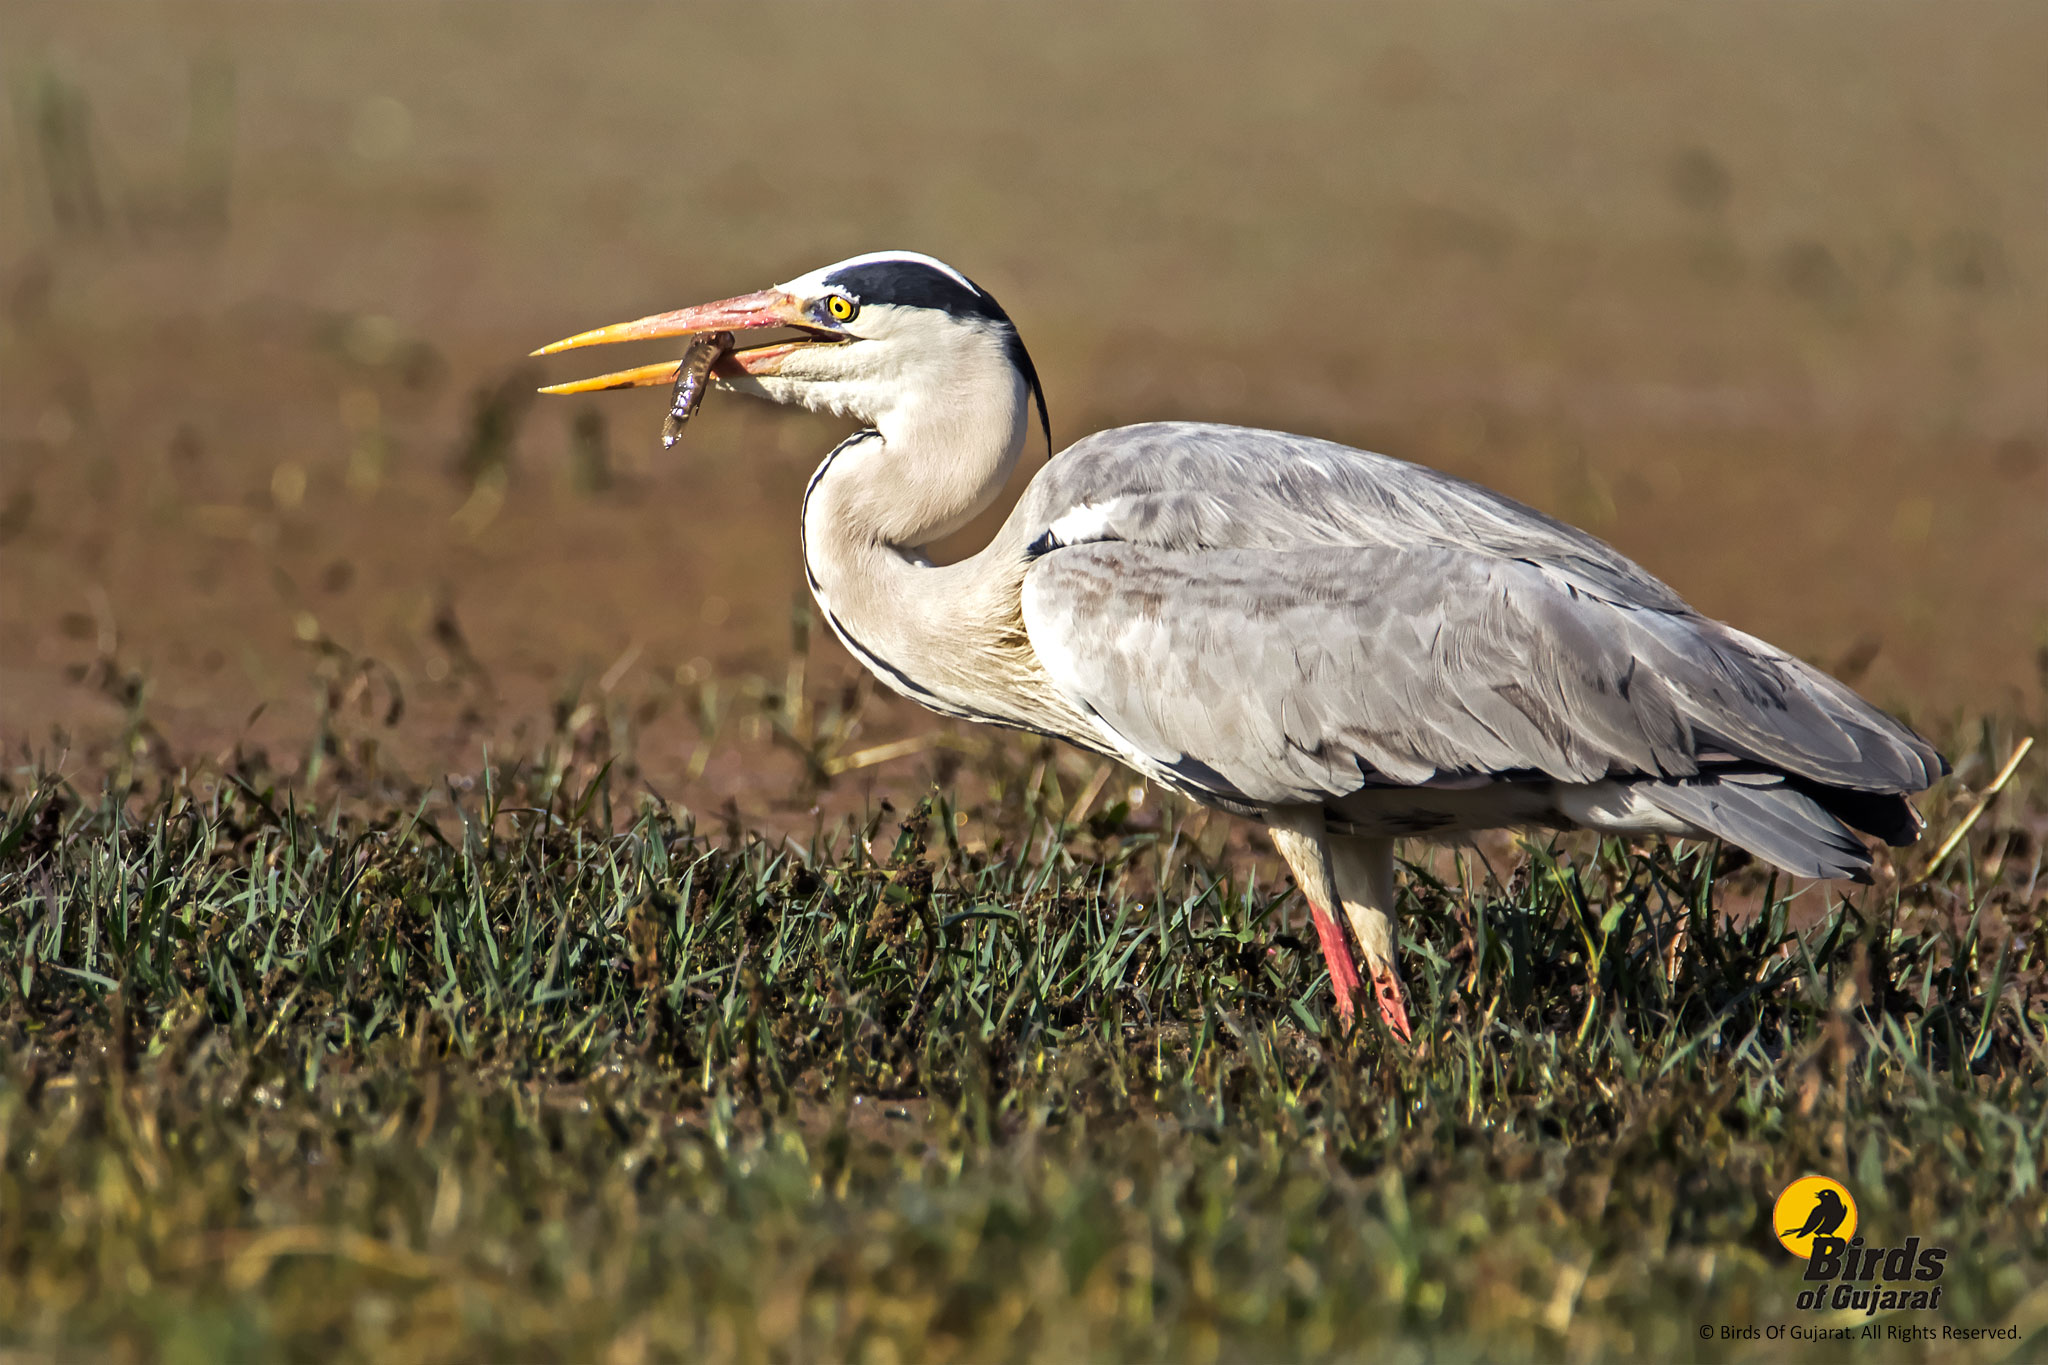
(693, 377)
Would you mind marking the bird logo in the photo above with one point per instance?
(1813, 1206)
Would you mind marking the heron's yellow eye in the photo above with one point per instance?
(841, 308)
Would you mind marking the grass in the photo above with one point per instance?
(511, 1073)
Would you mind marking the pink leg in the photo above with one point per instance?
(1343, 973)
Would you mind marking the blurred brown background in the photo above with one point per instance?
(1756, 293)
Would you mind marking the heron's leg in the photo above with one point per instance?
(1364, 873)
(1299, 835)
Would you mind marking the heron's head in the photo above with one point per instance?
(872, 335)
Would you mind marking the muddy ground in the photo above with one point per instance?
(1756, 295)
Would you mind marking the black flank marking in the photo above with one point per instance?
(1201, 778)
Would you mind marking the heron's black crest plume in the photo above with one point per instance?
(1021, 358)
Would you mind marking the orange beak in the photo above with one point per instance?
(767, 308)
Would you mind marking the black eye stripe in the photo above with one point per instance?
(913, 284)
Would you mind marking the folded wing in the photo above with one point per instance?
(1263, 619)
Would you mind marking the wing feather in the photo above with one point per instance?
(1267, 618)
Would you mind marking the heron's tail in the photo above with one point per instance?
(1801, 827)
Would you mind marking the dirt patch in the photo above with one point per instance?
(1759, 303)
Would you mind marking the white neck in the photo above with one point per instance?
(951, 636)
(946, 450)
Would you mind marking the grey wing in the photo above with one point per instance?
(1299, 618)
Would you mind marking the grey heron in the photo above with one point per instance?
(1346, 647)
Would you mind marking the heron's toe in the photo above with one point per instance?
(1392, 1000)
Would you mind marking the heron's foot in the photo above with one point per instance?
(1337, 953)
(1392, 1000)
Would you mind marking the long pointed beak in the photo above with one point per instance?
(765, 308)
